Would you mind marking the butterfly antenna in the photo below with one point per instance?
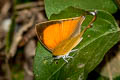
(91, 22)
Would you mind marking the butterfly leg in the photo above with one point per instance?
(69, 57)
(57, 57)
(65, 59)
(73, 50)
(66, 56)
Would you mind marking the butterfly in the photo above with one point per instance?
(61, 36)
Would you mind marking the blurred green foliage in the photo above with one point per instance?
(22, 1)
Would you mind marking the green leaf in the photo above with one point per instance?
(91, 50)
(73, 12)
(55, 7)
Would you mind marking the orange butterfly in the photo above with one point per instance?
(61, 36)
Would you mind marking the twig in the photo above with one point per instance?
(30, 34)
(8, 71)
(29, 5)
(18, 37)
(29, 72)
(38, 8)
(4, 10)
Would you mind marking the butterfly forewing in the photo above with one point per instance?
(52, 33)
